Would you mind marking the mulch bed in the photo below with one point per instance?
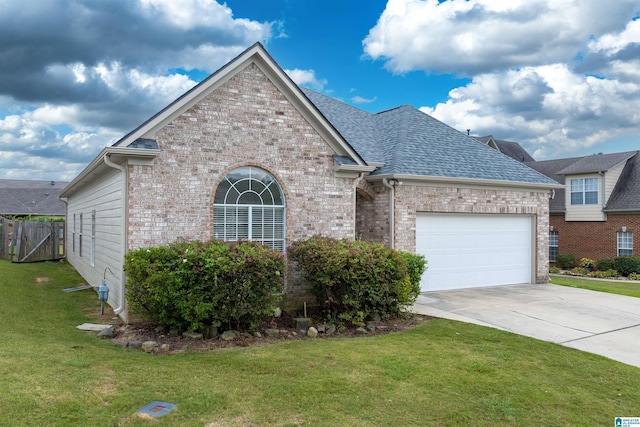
(141, 330)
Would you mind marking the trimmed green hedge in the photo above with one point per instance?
(353, 280)
(627, 264)
(565, 261)
(190, 286)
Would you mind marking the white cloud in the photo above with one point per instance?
(307, 78)
(556, 76)
(614, 42)
(360, 100)
(476, 36)
(552, 110)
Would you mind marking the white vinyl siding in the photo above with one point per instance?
(611, 179)
(581, 188)
(104, 197)
(625, 243)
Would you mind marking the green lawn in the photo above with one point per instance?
(620, 287)
(442, 373)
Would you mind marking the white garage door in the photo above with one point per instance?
(466, 251)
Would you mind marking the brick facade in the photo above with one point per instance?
(373, 218)
(246, 121)
(595, 239)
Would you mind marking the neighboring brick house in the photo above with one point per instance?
(598, 214)
(248, 154)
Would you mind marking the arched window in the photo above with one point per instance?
(249, 205)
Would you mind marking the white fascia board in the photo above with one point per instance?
(135, 155)
(443, 180)
(354, 168)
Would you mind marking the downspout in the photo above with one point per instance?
(356, 182)
(123, 242)
(603, 202)
(392, 208)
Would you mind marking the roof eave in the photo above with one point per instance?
(466, 181)
(626, 210)
(354, 168)
(116, 154)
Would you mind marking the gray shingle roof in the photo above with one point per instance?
(626, 194)
(23, 197)
(410, 142)
(514, 150)
(596, 163)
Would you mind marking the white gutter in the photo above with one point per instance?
(356, 182)
(413, 179)
(392, 208)
(123, 241)
(603, 202)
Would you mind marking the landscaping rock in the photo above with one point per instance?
(165, 347)
(193, 335)
(331, 329)
(229, 335)
(107, 333)
(149, 346)
(312, 332)
(257, 334)
(135, 344)
(362, 330)
(301, 323)
(371, 326)
(272, 333)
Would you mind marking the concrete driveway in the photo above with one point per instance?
(595, 322)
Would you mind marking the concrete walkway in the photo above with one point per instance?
(595, 322)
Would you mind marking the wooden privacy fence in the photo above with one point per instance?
(30, 241)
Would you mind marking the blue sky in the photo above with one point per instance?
(562, 78)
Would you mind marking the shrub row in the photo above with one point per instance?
(624, 265)
(354, 280)
(190, 286)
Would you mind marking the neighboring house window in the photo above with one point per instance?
(553, 245)
(93, 238)
(80, 238)
(584, 191)
(73, 237)
(249, 205)
(625, 243)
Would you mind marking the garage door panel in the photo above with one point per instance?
(465, 251)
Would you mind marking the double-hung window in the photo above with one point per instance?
(73, 236)
(80, 238)
(93, 238)
(249, 205)
(553, 245)
(584, 191)
(625, 243)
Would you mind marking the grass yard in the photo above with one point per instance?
(620, 287)
(442, 373)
